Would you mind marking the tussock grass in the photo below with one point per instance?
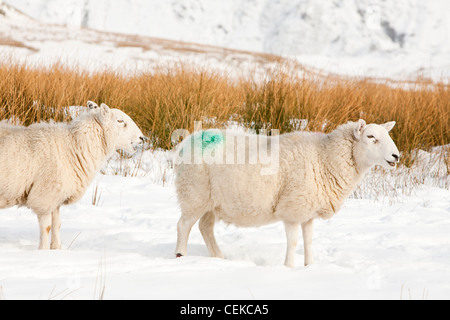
(173, 97)
(96, 195)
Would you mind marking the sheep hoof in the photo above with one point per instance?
(179, 255)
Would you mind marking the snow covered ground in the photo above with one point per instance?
(123, 248)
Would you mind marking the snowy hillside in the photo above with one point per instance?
(23, 38)
(280, 27)
(365, 37)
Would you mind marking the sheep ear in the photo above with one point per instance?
(91, 105)
(388, 125)
(359, 129)
(104, 109)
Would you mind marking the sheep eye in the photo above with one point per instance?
(372, 137)
(123, 122)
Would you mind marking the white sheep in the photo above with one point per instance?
(47, 165)
(316, 173)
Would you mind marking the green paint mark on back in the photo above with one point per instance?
(211, 139)
(206, 140)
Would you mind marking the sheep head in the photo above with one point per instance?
(126, 133)
(373, 145)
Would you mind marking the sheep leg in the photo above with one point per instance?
(307, 230)
(184, 227)
(56, 226)
(292, 232)
(45, 221)
(206, 226)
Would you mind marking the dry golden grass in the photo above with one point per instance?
(174, 97)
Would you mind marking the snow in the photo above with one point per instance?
(41, 44)
(124, 247)
(393, 38)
